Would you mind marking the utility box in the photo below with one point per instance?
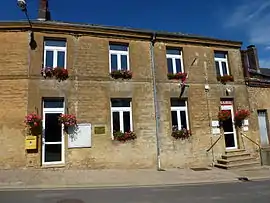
(30, 142)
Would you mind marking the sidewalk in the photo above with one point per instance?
(60, 178)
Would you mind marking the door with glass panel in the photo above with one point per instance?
(53, 138)
(228, 126)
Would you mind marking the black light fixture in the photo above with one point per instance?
(23, 6)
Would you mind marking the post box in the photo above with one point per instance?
(30, 142)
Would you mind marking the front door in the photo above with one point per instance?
(262, 118)
(53, 137)
(229, 128)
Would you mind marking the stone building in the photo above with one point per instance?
(258, 83)
(148, 104)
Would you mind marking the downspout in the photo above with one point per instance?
(157, 117)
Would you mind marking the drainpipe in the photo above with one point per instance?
(153, 40)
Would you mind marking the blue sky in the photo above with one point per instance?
(242, 20)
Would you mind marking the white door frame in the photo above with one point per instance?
(230, 108)
(62, 142)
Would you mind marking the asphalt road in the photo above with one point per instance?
(248, 192)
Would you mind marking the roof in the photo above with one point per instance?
(83, 27)
(265, 71)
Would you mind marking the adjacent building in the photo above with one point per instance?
(149, 103)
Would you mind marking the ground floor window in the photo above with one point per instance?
(121, 115)
(179, 114)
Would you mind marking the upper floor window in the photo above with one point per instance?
(179, 114)
(55, 53)
(119, 59)
(221, 61)
(121, 115)
(174, 61)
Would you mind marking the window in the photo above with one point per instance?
(55, 53)
(119, 59)
(179, 113)
(174, 61)
(221, 61)
(121, 115)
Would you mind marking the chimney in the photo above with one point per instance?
(252, 56)
(43, 11)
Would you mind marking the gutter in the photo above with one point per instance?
(157, 117)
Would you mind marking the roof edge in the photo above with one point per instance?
(64, 26)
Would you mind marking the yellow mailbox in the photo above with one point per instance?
(30, 142)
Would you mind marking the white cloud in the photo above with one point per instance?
(253, 18)
(267, 48)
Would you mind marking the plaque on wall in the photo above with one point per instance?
(99, 130)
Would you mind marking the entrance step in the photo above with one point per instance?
(237, 159)
(245, 166)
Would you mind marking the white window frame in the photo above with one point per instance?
(119, 53)
(55, 50)
(121, 110)
(220, 60)
(178, 109)
(174, 57)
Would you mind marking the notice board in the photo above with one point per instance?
(80, 137)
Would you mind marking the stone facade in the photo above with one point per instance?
(89, 89)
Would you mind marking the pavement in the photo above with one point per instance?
(235, 192)
(67, 178)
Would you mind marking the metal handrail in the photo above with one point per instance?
(260, 149)
(214, 144)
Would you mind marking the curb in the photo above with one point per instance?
(110, 186)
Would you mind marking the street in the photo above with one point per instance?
(248, 192)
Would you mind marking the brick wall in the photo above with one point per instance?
(13, 97)
(88, 93)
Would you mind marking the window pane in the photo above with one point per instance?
(217, 68)
(174, 118)
(170, 65)
(54, 103)
(123, 62)
(177, 102)
(53, 131)
(113, 62)
(173, 51)
(49, 59)
(126, 119)
(178, 65)
(61, 59)
(121, 102)
(116, 121)
(224, 68)
(55, 43)
(118, 47)
(183, 119)
(220, 55)
(53, 152)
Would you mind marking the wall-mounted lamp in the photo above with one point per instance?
(23, 6)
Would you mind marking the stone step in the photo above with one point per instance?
(235, 152)
(238, 160)
(235, 156)
(246, 165)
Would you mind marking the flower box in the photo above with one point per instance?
(60, 74)
(34, 123)
(176, 76)
(123, 137)
(122, 74)
(240, 116)
(180, 134)
(224, 115)
(68, 120)
(225, 78)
